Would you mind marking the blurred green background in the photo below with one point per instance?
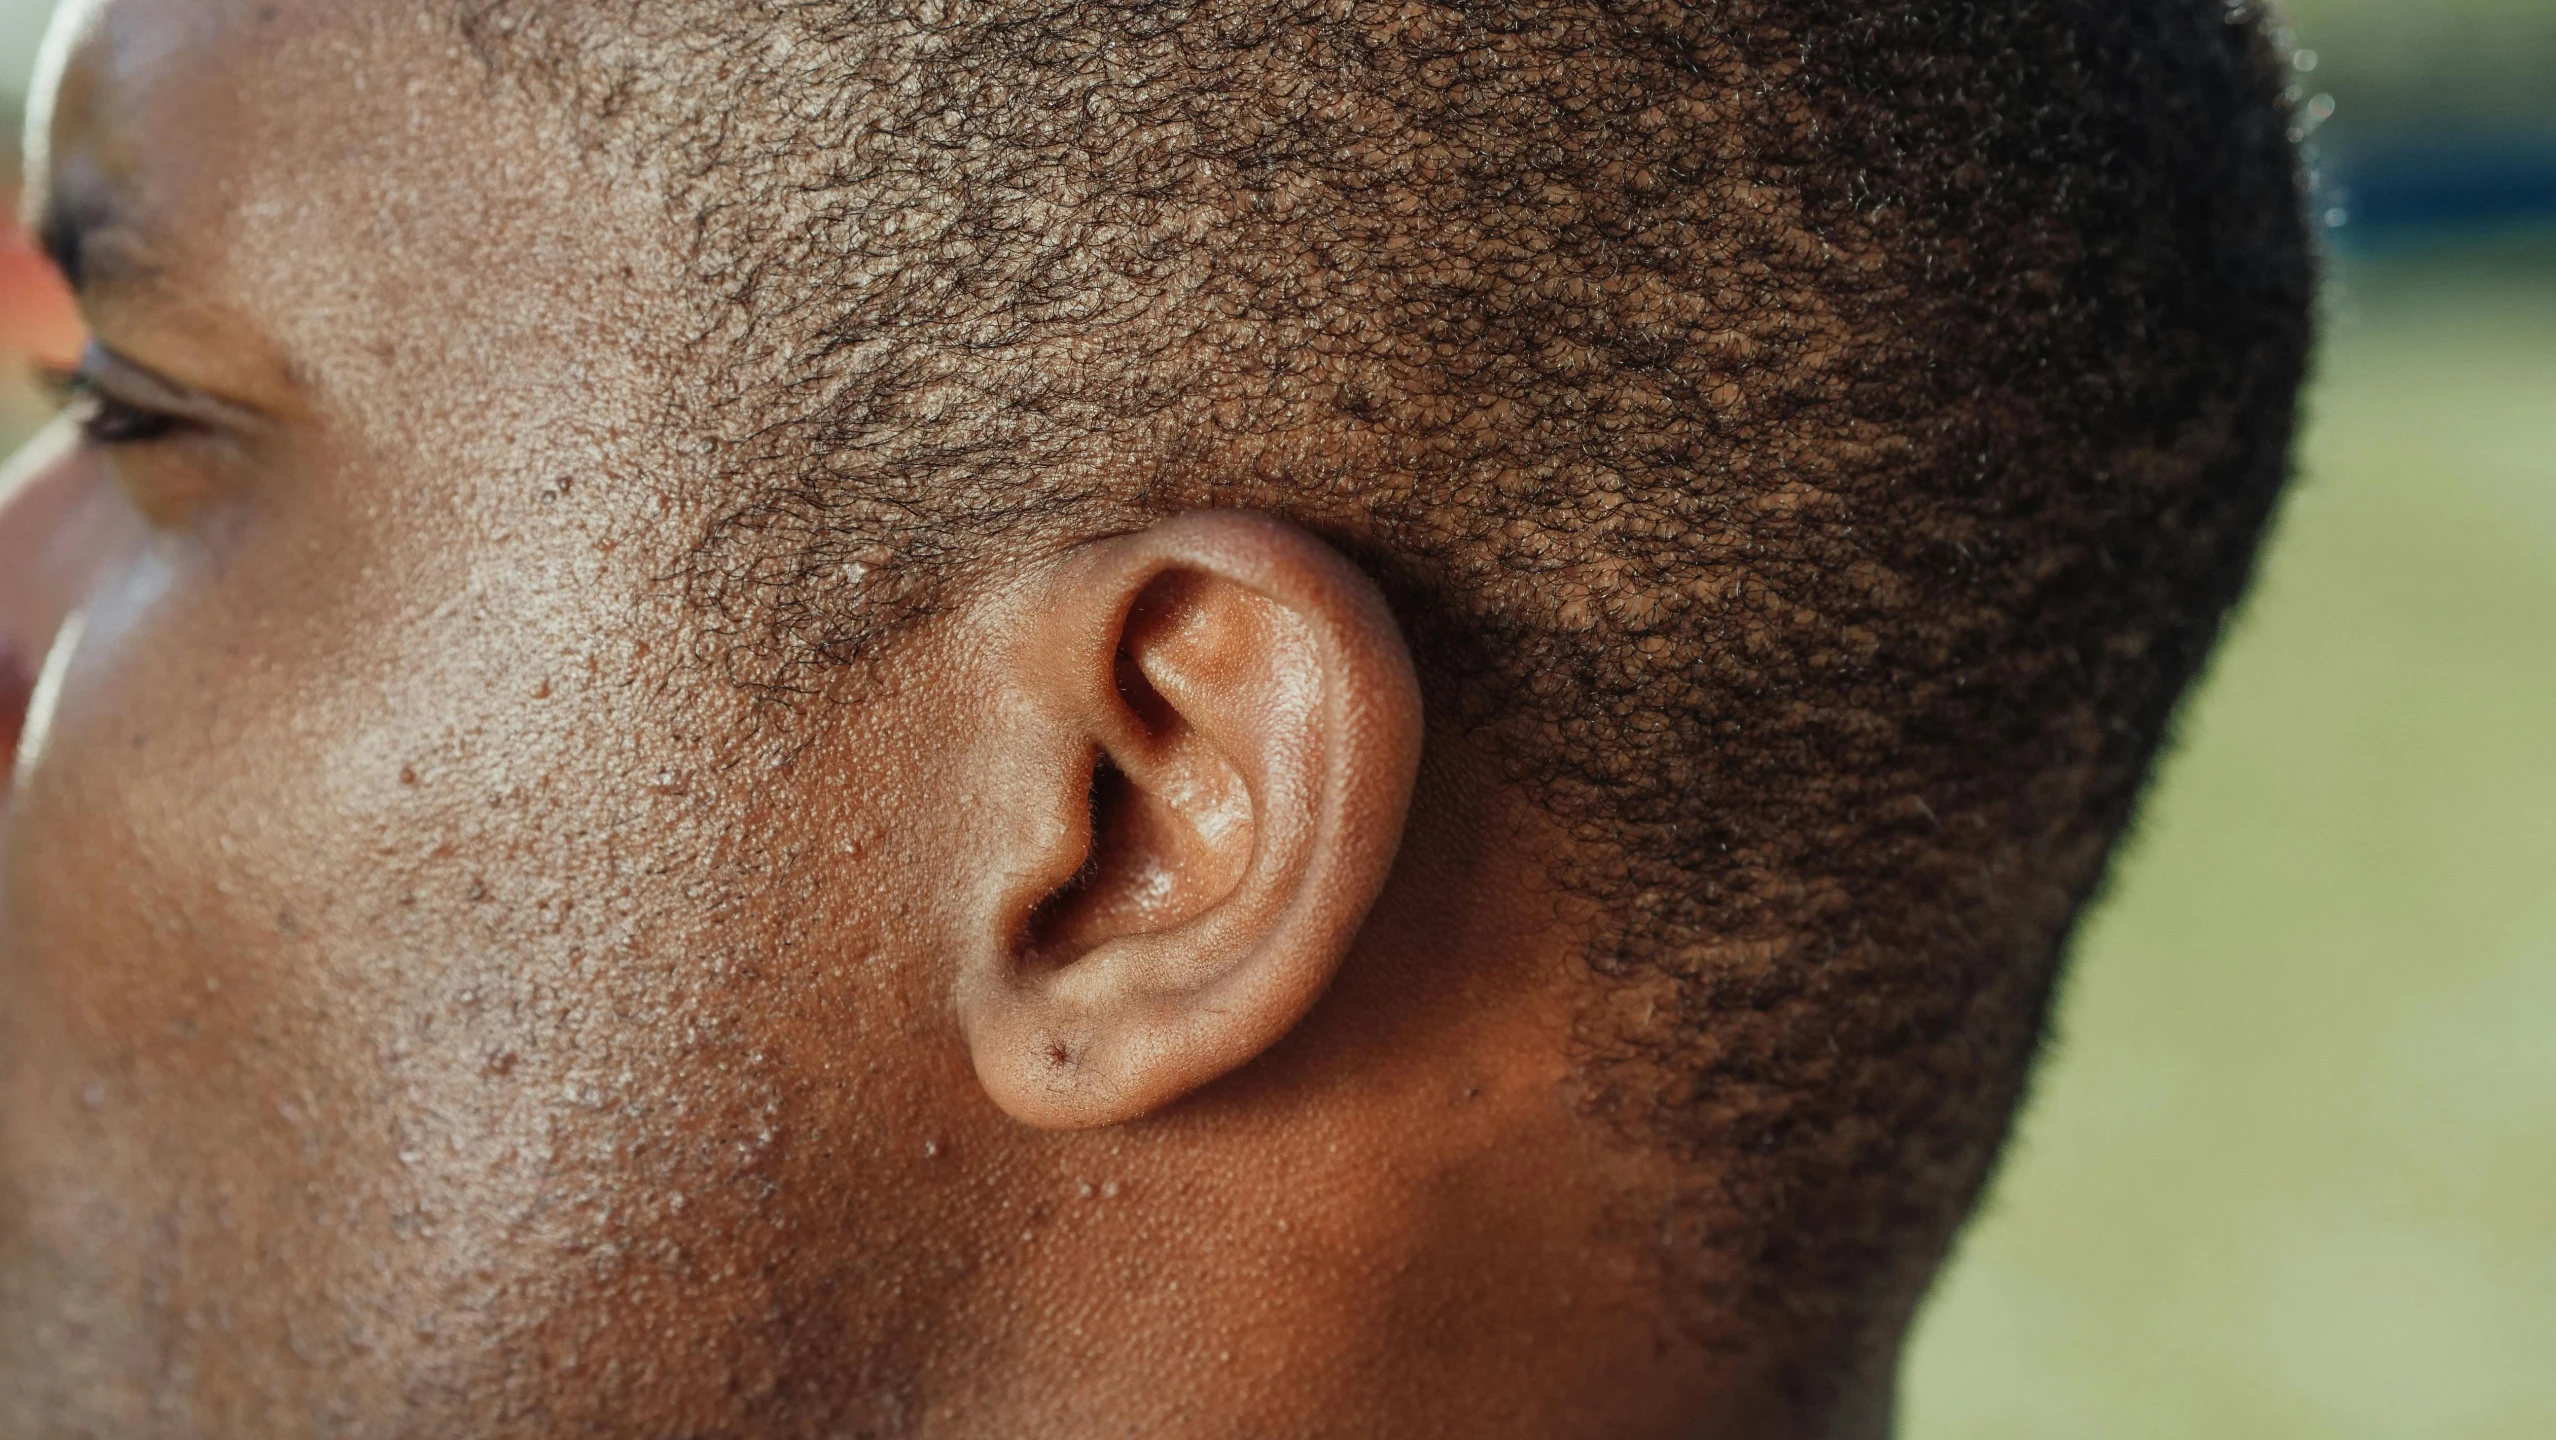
(2290, 1167)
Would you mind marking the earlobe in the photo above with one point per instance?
(1217, 731)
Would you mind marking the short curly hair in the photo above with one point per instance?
(1816, 442)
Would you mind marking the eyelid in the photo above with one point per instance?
(104, 372)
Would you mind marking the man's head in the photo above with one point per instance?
(812, 719)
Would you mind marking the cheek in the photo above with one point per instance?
(321, 761)
(332, 925)
(400, 976)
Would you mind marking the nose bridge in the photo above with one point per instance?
(60, 521)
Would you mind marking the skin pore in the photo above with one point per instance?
(1474, 851)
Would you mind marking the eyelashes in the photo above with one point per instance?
(106, 418)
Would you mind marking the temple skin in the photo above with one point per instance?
(432, 1004)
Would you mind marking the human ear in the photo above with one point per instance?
(1207, 739)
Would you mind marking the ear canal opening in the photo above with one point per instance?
(1044, 943)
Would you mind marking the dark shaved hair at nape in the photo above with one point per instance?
(1815, 442)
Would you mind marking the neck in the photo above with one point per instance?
(1254, 1337)
(1396, 1224)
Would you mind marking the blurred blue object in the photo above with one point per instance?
(2410, 185)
